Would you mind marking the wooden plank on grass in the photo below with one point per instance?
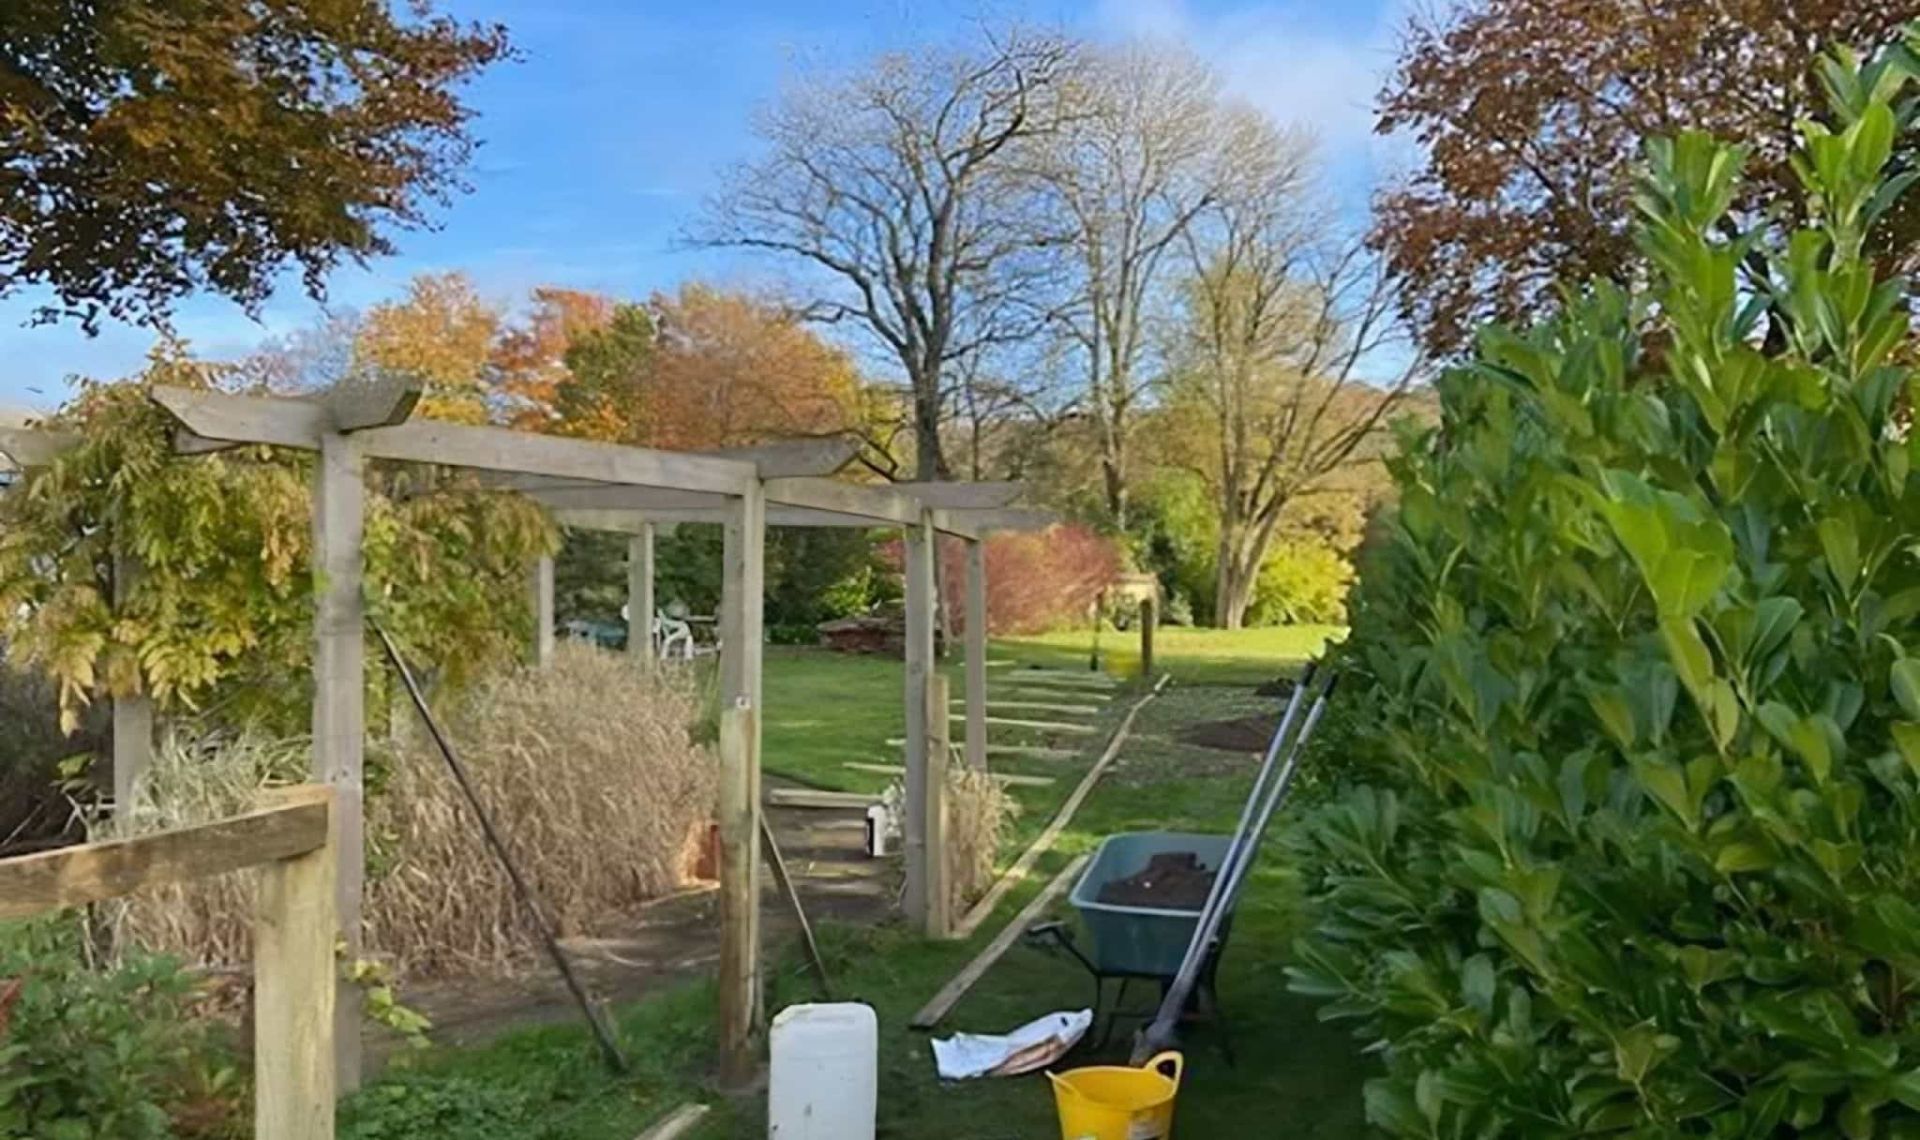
(676, 1124)
(1039, 706)
(1087, 680)
(94, 872)
(1058, 726)
(815, 798)
(1046, 839)
(951, 993)
(1034, 751)
(900, 769)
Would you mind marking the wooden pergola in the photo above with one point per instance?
(629, 490)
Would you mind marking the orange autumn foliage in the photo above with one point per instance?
(530, 360)
(731, 369)
(442, 333)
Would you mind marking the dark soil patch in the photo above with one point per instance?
(1242, 734)
(1172, 880)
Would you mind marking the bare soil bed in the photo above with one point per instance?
(1242, 734)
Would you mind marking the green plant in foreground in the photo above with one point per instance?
(91, 1054)
(1635, 849)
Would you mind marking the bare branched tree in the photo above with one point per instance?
(1280, 324)
(1153, 145)
(894, 182)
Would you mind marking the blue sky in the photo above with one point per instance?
(600, 143)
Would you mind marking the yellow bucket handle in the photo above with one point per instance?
(1171, 1058)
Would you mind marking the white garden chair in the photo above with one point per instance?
(672, 637)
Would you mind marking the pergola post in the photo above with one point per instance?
(540, 586)
(742, 600)
(132, 716)
(1149, 620)
(921, 905)
(339, 704)
(640, 601)
(976, 627)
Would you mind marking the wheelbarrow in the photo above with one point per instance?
(1127, 943)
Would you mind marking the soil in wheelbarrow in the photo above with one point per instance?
(1172, 880)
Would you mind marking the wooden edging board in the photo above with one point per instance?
(951, 993)
(815, 798)
(676, 1124)
(1053, 726)
(1039, 706)
(900, 770)
(1046, 839)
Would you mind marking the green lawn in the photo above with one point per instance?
(1194, 656)
(823, 709)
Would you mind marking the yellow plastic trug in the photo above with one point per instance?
(1113, 1102)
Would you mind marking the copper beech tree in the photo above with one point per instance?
(1531, 113)
(152, 150)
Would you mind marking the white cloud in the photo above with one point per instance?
(1290, 62)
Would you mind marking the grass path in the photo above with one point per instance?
(1297, 1077)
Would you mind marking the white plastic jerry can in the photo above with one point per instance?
(825, 1083)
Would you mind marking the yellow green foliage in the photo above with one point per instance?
(126, 568)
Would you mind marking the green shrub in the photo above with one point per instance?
(100, 1054)
(409, 1106)
(1303, 580)
(1637, 850)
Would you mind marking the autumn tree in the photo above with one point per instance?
(1267, 398)
(1531, 114)
(894, 184)
(1150, 144)
(442, 334)
(156, 149)
(608, 373)
(732, 369)
(530, 358)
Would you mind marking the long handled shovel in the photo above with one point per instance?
(1232, 872)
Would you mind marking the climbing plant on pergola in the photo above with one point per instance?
(630, 490)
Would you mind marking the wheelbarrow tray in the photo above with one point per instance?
(1139, 940)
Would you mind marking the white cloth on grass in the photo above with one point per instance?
(1035, 1045)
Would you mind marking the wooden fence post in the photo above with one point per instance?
(739, 898)
(742, 644)
(294, 995)
(339, 707)
(921, 548)
(132, 716)
(540, 585)
(937, 921)
(640, 603)
(976, 687)
(1149, 616)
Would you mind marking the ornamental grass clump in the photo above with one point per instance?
(1634, 844)
(589, 767)
(980, 814)
(592, 771)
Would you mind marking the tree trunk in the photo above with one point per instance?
(1232, 587)
(1113, 469)
(930, 461)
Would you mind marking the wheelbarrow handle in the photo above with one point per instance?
(1058, 933)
